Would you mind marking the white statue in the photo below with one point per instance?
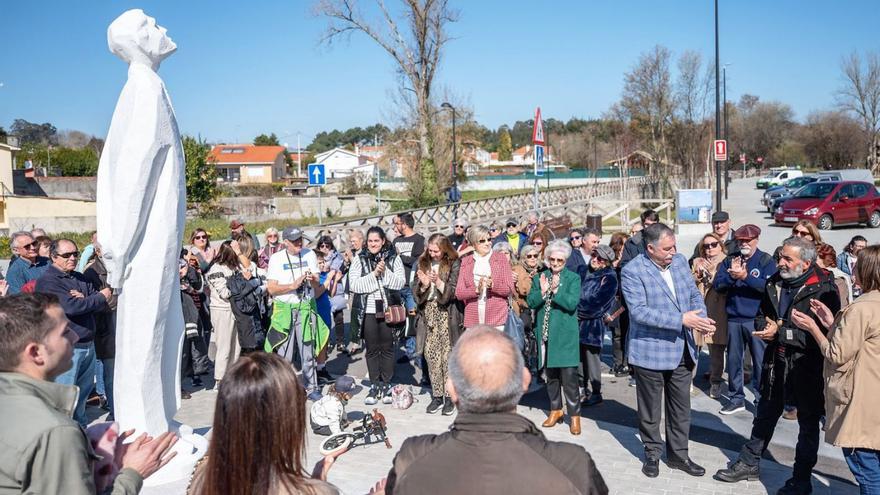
(141, 205)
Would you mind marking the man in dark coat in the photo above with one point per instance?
(792, 363)
(489, 444)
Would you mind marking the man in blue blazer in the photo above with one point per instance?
(664, 306)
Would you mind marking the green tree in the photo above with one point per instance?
(264, 140)
(75, 162)
(201, 173)
(505, 148)
(28, 132)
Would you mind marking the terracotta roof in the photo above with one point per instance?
(245, 153)
(522, 150)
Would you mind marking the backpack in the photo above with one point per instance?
(244, 296)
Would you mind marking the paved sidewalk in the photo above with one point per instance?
(616, 450)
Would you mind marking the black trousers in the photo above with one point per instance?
(618, 339)
(675, 384)
(802, 389)
(379, 338)
(591, 364)
(564, 381)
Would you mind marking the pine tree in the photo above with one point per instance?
(505, 148)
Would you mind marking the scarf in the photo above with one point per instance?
(789, 288)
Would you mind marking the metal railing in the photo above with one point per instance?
(574, 201)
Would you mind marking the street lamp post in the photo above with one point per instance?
(717, 114)
(453, 195)
(724, 109)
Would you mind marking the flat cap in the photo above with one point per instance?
(747, 231)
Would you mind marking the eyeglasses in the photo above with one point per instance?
(459, 226)
(493, 229)
(200, 237)
(267, 235)
(323, 244)
(801, 233)
(32, 245)
(482, 241)
(537, 243)
(531, 256)
(710, 245)
(556, 260)
(576, 238)
(72, 254)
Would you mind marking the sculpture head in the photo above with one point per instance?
(136, 38)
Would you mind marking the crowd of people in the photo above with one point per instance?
(512, 301)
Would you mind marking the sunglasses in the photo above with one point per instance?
(575, 238)
(556, 260)
(271, 235)
(710, 245)
(537, 243)
(531, 256)
(801, 233)
(493, 229)
(325, 245)
(32, 245)
(72, 254)
(482, 241)
(200, 237)
(459, 226)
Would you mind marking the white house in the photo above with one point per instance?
(340, 162)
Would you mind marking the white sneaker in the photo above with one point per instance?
(632, 382)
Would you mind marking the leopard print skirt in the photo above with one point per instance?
(437, 347)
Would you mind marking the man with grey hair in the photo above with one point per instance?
(28, 265)
(665, 308)
(793, 364)
(489, 443)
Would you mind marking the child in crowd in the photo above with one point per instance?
(328, 415)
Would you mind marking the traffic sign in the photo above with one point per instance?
(538, 133)
(317, 177)
(742, 158)
(720, 150)
(539, 156)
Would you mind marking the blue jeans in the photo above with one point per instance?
(409, 302)
(81, 374)
(739, 338)
(108, 366)
(865, 467)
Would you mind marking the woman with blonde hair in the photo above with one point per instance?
(807, 230)
(711, 253)
(438, 322)
(485, 281)
(530, 264)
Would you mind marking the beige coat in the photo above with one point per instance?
(716, 304)
(852, 375)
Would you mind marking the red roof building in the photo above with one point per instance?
(249, 164)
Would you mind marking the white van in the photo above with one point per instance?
(857, 174)
(777, 177)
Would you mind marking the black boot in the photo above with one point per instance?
(739, 471)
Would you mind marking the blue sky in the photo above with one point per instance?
(246, 67)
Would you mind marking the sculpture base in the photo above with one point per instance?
(190, 447)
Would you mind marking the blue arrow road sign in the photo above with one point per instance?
(317, 177)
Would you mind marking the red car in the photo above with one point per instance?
(827, 204)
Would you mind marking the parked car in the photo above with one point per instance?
(777, 177)
(832, 203)
(785, 190)
(856, 174)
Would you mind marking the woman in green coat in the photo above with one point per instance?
(557, 333)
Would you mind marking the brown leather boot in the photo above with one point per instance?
(575, 425)
(554, 419)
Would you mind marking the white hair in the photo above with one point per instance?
(557, 246)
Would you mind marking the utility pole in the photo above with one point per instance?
(717, 113)
(726, 164)
(298, 157)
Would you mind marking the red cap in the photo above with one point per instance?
(747, 231)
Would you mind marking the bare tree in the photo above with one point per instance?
(832, 139)
(690, 130)
(860, 96)
(647, 98)
(414, 39)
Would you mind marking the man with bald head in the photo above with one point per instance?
(490, 448)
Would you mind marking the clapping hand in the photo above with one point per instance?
(380, 268)
(822, 312)
(545, 284)
(737, 270)
(769, 332)
(804, 321)
(424, 278)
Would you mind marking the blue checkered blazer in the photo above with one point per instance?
(656, 335)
